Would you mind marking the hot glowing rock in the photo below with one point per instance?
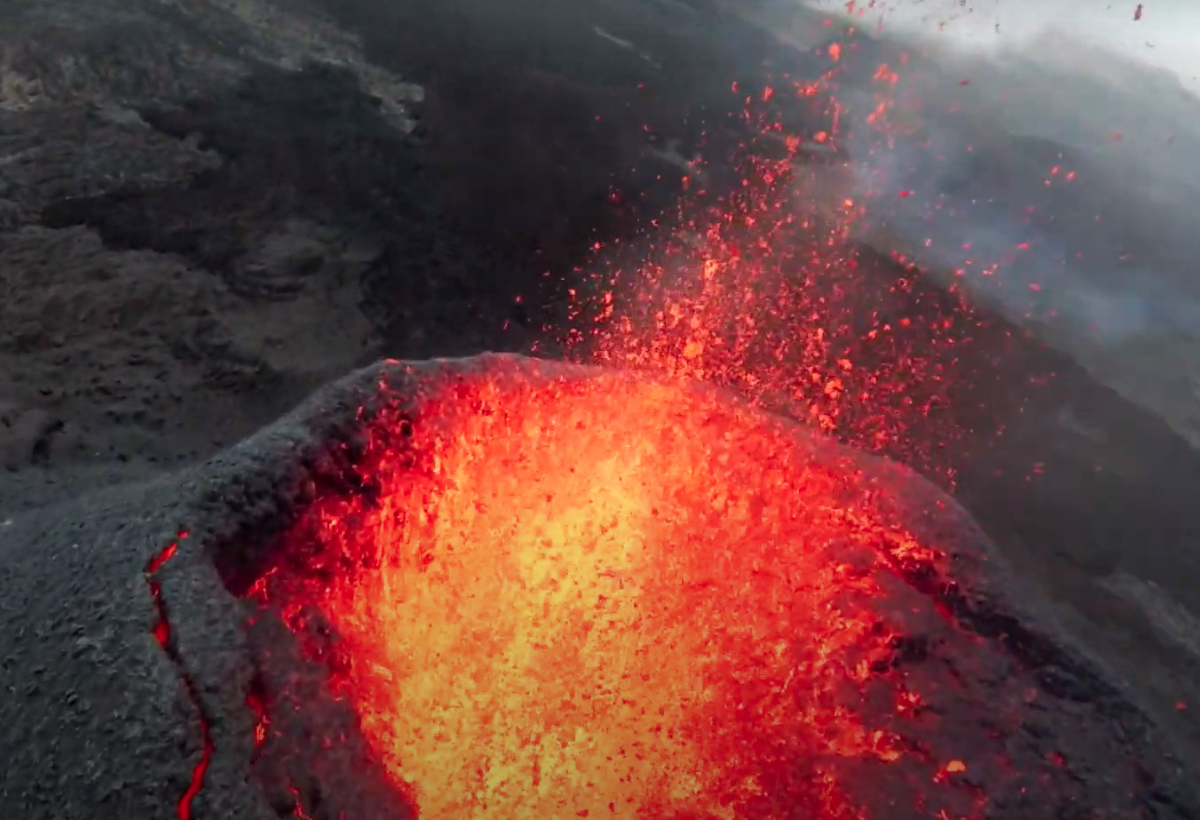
(574, 592)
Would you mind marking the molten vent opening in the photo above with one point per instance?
(605, 596)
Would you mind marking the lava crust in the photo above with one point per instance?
(500, 587)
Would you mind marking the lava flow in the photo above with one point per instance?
(567, 592)
(162, 634)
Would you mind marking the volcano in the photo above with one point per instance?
(502, 587)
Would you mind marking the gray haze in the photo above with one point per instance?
(1164, 35)
(1050, 161)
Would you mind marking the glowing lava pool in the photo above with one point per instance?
(568, 592)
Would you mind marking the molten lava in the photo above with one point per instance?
(578, 593)
(568, 593)
(162, 635)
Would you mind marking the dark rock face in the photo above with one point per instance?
(129, 658)
(229, 202)
(154, 249)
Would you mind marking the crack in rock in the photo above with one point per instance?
(162, 634)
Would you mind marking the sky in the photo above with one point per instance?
(1166, 35)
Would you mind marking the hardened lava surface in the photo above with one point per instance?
(559, 591)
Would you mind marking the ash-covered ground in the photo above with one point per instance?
(208, 209)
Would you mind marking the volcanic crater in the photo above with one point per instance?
(518, 588)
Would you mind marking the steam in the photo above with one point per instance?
(1041, 158)
(1160, 33)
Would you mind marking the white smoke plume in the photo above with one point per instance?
(1043, 155)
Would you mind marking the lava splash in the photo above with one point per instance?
(567, 592)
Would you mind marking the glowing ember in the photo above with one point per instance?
(765, 293)
(597, 595)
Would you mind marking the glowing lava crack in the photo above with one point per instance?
(575, 593)
(162, 634)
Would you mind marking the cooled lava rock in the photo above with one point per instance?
(490, 586)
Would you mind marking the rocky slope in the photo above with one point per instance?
(209, 208)
(123, 354)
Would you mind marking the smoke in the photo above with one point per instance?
(1159, 33)
(1038, 157)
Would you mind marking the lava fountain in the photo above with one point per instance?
(569, 592)
(560, 591)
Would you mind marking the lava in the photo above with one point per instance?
(615, 595)
(598, 596)
(162, 634)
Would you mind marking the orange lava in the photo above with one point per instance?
(597, 595)
(165, 639)
(604, 595)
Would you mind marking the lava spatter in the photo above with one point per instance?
(608, 597)
(163, 635)
(615, 598)
(767, 292)
(619, 597)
